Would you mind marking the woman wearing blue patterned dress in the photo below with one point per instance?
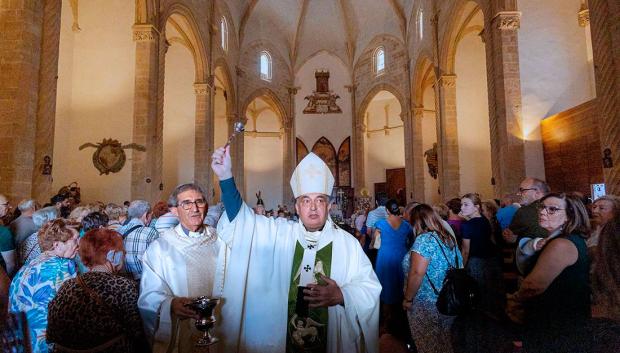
(394, 233)
(425, 264)
(37, 283)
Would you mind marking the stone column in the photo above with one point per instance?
(504, 89)
(204, 138)
(237, 152)
(146, 167)
(417, 154)
(357, 144)
(23, 36)
(46, 109)
(604, 19)
(447, 138)
(289, 144)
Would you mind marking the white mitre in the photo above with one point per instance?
(312, 175)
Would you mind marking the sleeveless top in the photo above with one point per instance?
(567, 299)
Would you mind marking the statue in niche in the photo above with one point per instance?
(607, 161)
(110, 155)
(322, 100)
(432, 161)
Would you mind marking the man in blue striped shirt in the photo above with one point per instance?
(137, 236)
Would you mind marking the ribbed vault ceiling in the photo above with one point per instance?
(301, 28)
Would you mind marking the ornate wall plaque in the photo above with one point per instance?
(110, 155)
(322, 100)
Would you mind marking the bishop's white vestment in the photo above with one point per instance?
(179, 264)
(255, 315)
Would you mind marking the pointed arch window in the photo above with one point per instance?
(265, 65)
(224, 33)
(420, 23)
(379, 60)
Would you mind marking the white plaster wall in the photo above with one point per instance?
(335, 127)
(556, 71)
(429, 136)
(179, 118)
(383, 151)
(263, 165)
(95, 96)
(473, 117)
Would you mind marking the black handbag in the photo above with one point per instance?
(459, 293)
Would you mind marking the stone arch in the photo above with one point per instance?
(375, 41)
(458, 27)
(188, 27)
(223, 65)
(271, 98)
(373, 92)
(423, 76)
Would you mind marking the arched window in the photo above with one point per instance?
(379, 61)
(224, 33)
(265, 65)
(421, 23)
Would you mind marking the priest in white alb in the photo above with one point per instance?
(186, 262)
(303, 286)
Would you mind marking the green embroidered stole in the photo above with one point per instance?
(307, 334)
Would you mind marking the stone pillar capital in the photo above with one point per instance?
(583, 16)
(292, 90)
(418, 112)
(201, 88)
(145, 33)
(447, 81)
(508, 20)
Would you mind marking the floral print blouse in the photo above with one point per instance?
(33, 287)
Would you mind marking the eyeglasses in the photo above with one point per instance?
(549, 209)
(522, 190)
(188, 205)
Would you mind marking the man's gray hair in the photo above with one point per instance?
(26, 205)
(44, 215)
(541, 185)
(173, 199)
(138, 208)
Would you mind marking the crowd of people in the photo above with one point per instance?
(119, 278)
(546, 264)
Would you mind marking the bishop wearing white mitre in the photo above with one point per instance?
(303, 286)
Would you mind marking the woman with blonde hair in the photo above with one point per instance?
(433, 252)
(481, 256)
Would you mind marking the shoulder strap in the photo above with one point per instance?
(442, 251)
(128, 231)
(431, 283)
(97, 298)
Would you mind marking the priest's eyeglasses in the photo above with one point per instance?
(188, 205)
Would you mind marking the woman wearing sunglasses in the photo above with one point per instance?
(554, 299)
